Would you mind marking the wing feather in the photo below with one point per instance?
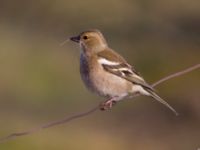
(117, 65)
(128, 74)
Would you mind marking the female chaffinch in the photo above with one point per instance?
(107, 73)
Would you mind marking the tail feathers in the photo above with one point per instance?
(159, 99)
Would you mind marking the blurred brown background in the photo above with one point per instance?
(40, 82)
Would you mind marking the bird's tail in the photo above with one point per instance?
(159, 99)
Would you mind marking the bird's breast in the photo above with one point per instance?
(100, 81)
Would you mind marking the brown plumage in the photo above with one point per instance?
(107, 73)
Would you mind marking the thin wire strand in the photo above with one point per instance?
(176, 74)
(90, 111)
(49, 125)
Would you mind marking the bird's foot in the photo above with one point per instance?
(107, 104)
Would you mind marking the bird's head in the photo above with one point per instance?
(91, 41)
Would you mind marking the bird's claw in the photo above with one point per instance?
(107, 104)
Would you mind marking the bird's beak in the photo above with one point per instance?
(75, 39)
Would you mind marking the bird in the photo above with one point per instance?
(107, 73)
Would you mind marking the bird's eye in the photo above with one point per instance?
(85, 37)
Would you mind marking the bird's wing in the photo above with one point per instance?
(128, 74)
(115, 64)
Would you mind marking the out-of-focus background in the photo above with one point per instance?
(40, 82)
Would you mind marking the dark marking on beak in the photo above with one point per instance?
(75, 39)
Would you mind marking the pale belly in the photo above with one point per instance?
(111, 85)
(106, 84)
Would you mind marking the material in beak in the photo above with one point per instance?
(75, 39)
(63, 43)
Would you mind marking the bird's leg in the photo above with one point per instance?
(108, 104)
